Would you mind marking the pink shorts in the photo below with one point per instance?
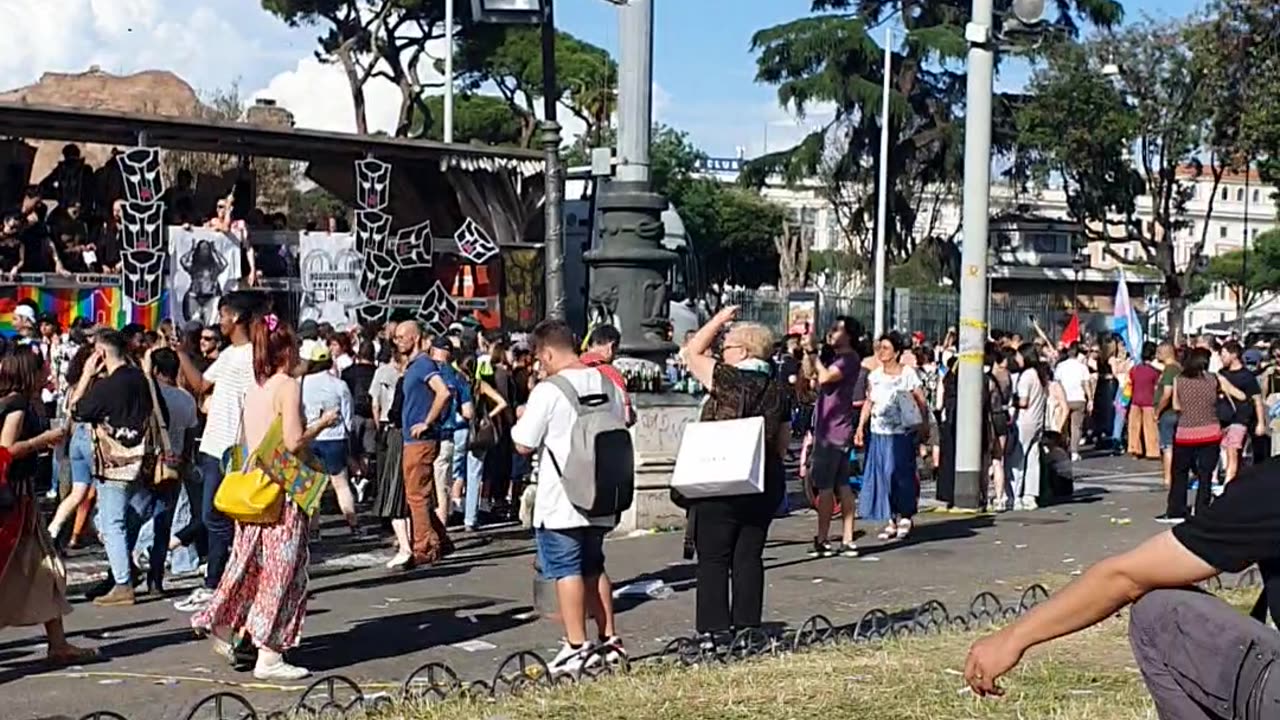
(1233, 436)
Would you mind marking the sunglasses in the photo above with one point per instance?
(207, 338)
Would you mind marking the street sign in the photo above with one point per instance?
(720, 166)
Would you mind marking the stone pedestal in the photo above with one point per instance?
(660, 421)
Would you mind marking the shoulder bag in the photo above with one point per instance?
(166, 466)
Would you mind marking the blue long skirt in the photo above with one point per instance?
(889, 481)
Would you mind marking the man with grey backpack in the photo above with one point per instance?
(576, 419)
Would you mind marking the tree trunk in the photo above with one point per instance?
(793, 258)
(1177, 311)
(357, 89)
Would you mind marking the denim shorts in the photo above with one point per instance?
(332, 454)
(576, 552)
(1167, 428)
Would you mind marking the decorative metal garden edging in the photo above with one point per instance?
(336, 697)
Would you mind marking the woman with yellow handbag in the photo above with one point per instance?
(263, 591)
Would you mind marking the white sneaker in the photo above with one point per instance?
(1075, 457)
(280, 671)
(570, 660)
(198, 600)
(904, 528)
(612, 652)
(1029, 503)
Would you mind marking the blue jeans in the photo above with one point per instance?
(122, 510)
(219, 528)
(80, 454)
(575, 552)
(184, 559)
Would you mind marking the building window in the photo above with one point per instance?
(1240, 195)
(1224, 194)
(1256, 195)
(1222, 231)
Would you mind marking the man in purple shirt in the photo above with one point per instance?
(838, 367)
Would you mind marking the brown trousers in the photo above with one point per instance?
(430, 542)
(1142, 431)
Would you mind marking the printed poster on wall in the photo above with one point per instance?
(330, 269)
(205, 264)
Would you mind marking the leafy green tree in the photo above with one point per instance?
(832, 60)
(1252, 276)
(371, 39)
(1129, 145)
(508, 58)
(476, 118)
(1236, 47)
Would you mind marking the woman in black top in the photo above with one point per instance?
(32, 580)
(730, 531)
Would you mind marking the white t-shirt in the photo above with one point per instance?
(546, 423)
(1030, 390)
(320, 392)
(232, 376)
(1072, 375)
(182, 415)
(342, 362)
(894, 410)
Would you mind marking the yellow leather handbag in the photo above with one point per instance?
(248, 495)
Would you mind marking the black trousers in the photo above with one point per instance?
(1202, 459)
(730, 545)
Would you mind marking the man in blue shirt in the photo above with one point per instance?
(425, 398)
(451, 463)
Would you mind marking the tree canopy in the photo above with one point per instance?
(1252, 276)
(1163, 117)
(832, 61)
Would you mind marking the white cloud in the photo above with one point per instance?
(320, 99)
(208, 43)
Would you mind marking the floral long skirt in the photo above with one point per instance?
(263, 591)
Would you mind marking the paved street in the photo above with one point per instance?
(475, 609)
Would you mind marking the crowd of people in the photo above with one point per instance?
(430, 436)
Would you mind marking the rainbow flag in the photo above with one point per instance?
(106, 305)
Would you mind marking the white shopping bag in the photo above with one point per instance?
(720, 458)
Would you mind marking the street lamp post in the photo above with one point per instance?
(541, 12)
(1077, 264)
(970, 475)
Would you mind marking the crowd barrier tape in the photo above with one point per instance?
(335, 697)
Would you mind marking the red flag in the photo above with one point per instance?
(1071, 334)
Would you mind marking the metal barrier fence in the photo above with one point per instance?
(930, 313)
(336, 697)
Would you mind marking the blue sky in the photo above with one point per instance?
(704, 71)
(703, 63)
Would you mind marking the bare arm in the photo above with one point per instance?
(24, 448)
(297, 435)
(1231, 390)
(700, 365)
(1161, 562)
(826, 375)
(192, 375)
(495, 398)
(441, 399)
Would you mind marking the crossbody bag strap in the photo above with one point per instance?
(159, 416)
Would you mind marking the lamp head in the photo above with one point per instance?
(1028, 12)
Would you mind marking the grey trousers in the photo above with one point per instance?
(1203, 660)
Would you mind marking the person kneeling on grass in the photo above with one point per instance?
(1199, 657)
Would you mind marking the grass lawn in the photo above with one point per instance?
(1089, 676)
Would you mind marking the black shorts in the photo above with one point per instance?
(829, 468)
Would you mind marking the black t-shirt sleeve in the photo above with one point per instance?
(96, 404)
(1242, 526)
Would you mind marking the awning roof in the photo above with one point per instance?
(38, 122)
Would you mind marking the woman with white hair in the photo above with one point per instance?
(730, 531)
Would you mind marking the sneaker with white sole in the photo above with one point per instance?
(280, 671)
(195, 602)
(609, 651)
(570, 660)
(849, 550)
(904, 528)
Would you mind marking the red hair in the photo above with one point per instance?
(274, 350)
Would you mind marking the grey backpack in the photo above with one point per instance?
(599, 473)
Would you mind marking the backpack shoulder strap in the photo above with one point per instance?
(567, 389)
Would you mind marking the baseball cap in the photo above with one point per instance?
(441, 342)
(26, 312)
(309, 330)
(314, 351)
(1252, 356)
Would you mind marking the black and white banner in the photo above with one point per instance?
(330, 269)
(204, 265)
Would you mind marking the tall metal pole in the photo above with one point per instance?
(882, 210)
(635, 90)
(448, 71)
(629, 269)
(970, 475)
(1244, 257)
(553, 207)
